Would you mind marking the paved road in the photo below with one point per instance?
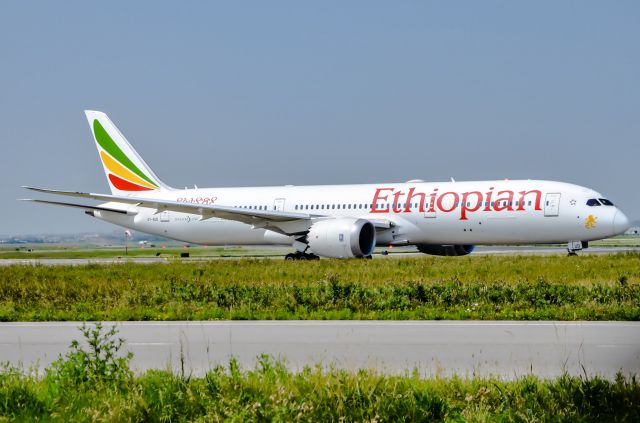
(398, 252)
(467, 348)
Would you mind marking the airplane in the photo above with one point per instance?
(344, 221)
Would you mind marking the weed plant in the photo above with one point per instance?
(595, 287)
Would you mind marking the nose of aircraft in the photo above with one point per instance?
(620, 223)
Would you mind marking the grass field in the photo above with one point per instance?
(96, 384)
(595, 287)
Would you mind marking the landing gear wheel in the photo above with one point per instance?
(299, 255)
(369, 257)
(574, 246)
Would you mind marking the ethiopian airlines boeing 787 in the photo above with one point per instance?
(442, 218)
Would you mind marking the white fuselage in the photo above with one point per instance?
(485, 212)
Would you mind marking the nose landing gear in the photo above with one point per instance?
(574, 246)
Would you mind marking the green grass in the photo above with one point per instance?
(96, 384)
(618, 241)
(597, 287)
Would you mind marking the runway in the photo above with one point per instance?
(396, 253)
(507, 349)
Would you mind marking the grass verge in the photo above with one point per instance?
(593, 287)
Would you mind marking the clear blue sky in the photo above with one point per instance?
(263, 93)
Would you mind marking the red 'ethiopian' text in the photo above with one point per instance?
(447, 202)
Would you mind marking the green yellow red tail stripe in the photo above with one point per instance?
(122, 172)
(124, 185)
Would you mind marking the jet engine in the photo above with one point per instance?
(342, 238)
(446, 250)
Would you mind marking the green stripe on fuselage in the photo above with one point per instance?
(112, 148)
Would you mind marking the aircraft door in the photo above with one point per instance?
(429, 212)
(552, 204)
(278, 204)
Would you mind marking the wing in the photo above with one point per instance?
(80, 206)
(288, 223)
(284, 222)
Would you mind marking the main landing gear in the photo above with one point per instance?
(299, 255)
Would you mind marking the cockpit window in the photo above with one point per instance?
(606, 202)
(593, 202)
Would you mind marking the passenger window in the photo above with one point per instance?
(593, 202)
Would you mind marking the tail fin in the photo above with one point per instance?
(125, 170)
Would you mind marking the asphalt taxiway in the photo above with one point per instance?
(399, 252)
(507, 349)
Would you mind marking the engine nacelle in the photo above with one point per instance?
(342, 238)
(446, 250)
